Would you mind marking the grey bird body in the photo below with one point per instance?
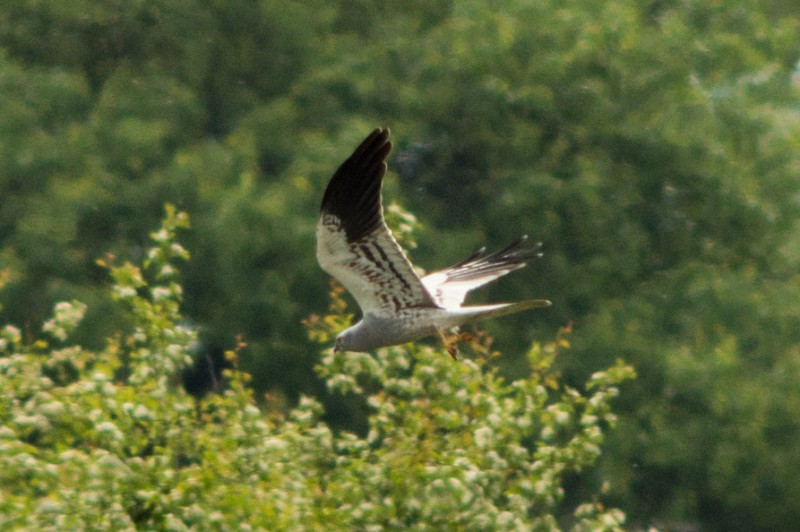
(374, 331)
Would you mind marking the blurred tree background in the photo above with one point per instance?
(654, 147)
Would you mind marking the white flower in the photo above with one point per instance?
(177, 249)
(110, 430)
(125, 292)
(483, 437)
(161, 294)
(12, 334)
(160, 235)
(143, 413)
(53, 409)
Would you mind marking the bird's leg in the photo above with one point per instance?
(450, 342)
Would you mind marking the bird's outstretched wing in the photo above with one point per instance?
(450, 286)
(354, 244)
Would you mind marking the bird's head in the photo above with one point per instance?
(345, 341)
(338, 345)
(353, 339)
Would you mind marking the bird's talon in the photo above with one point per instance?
(453, 350)
(450, 343)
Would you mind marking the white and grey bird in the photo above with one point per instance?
(355, 246)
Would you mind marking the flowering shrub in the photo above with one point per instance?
(108, 440)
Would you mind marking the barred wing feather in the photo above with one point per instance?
(354, 244)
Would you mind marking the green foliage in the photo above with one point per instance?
(651, 146)
(104, 439)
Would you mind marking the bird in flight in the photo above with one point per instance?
(355, 246)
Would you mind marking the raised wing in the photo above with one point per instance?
(354, 244)
(449, 287)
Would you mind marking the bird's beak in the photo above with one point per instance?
(336, 350)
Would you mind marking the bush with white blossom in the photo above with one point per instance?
(108, 439)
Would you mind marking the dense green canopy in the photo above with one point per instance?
(652, 146)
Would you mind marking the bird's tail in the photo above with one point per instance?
(476, 312)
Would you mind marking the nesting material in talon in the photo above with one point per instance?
(467, 337)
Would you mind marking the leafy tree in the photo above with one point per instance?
(651, 146)
(106, 439)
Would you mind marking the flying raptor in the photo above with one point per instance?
(355, 246)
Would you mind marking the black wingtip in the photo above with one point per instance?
(513, 256)
(354, 192)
